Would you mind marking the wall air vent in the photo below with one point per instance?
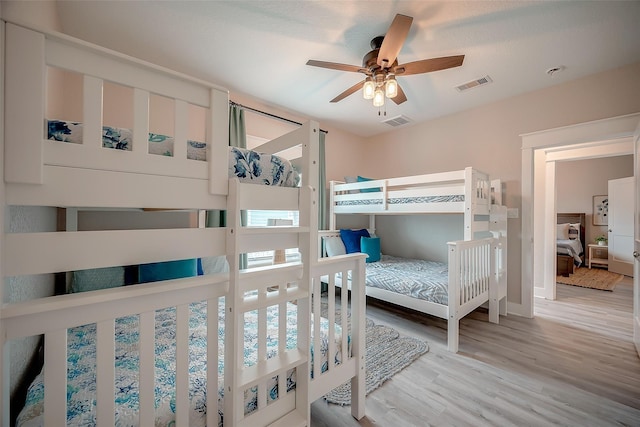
(474, 83)
(397, 121)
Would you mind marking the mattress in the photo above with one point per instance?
(247, 165)
(81, 376)
(404, 200)
(421, 279)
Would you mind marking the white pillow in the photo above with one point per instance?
(562, 231)
(334, 246)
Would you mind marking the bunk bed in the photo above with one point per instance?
(203, 317)
(476, 272)
(569, 243)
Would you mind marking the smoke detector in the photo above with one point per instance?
(554, 70)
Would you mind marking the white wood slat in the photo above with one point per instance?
(105, 376)
(264, 370)
(212, 360)
(182, 365)
(55, 374)
(282, 337)
(331, 291)
(90, 59)
(147, 367)
(252, 303)
(256, 239)
(92, 113)
(76, 187)
(48, 314)
(181, 127)
(262, 277)
(30, 253)
(140, 121)
(217, 136)
(92, 156)
(317, 345)
(24, 88)
(344, 298)
(252, 196)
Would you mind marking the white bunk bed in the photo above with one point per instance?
(41, 172)
(477, 265)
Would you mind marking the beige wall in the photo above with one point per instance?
(578, 181)
(487, 138)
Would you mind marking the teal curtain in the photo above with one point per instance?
(322, 186)
(237, 138)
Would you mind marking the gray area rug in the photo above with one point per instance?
(387, 354)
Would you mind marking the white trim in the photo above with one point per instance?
(591, 139)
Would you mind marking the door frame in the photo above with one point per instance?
(540, 152)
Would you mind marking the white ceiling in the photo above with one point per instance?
(259, 48)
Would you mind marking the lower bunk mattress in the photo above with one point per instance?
(81, 367)
(417, 278)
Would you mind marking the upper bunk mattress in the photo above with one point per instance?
(247, 165)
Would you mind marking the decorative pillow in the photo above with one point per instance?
(168, 270)
(215, 264)
(574, 231)
(562, 231)
(371, 247)
(351, 239)
(97, 278)
(351, 180)
(334, 246)
(368, 190)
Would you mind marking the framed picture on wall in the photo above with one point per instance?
(600, 210)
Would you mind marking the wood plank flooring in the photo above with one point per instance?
(574, 364)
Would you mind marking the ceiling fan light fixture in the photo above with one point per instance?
(378, 98)
(368, 89)
(391, 87)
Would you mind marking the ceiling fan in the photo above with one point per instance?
(381, 65)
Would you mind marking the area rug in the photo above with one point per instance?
(594, 278)
(387, 354)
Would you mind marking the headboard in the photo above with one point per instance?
(563, 218)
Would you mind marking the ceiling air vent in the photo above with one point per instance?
(474, 83)
(397, 121)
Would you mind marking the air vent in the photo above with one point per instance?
(474, 83)
(397, 121)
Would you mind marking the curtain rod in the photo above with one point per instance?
(264, 113)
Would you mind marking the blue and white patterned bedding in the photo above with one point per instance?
(404, 200)
(259, 168)
(81, 392)
(247, 165)
(426, 280)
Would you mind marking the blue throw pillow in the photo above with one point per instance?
(368, 190)
(371, 247)
(169, 270)
(351, 239)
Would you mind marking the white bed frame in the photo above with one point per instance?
(477, 266)
(38, 172)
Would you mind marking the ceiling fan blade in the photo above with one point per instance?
(393, 40)
(336, 66)
(429, 65)
(353, 89)
(400, 97)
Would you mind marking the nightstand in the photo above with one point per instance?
(598, 254)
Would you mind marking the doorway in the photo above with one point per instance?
(540, 152)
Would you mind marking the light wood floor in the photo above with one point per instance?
(574, 364)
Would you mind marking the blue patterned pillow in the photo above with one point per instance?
(371, 247)
(351, 239)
